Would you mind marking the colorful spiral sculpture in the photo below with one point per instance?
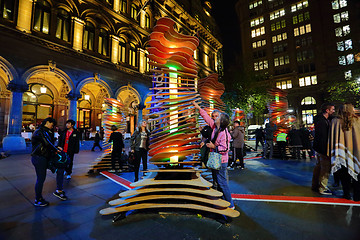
(174, 138)
(278, 109)
(239, 115)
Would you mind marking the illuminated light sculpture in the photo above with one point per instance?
(239, 115)
(174, 138)
(278, 109)
(210, 90)
(113, 115)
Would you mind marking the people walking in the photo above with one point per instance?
(259, 135)
(344, 150)
(42, 150)
(238, 143)
(97, 141)
(69, 140)
(295, 142)
(323, 164)
(140, 141)
(269, 138)
(220, 141)
(118, 144)
(281, 143)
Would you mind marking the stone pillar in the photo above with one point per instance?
(116, 5)
(13, 140)
(78, 33)
(142, 60)
(114, 49)
(72, 113)
(24, 15)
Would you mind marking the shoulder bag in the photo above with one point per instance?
(214, 160)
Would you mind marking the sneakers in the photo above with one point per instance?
(233, 207)
(68, 176)
(325, 192)
(41, 203)
(60, 195)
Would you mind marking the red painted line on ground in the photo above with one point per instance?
(119, 180)
(253, 197)
(294, 199)
(252, 158)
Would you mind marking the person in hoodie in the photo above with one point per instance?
(323, 163)
(238, 141)
(220, 140)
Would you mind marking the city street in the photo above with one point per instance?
(280, 212)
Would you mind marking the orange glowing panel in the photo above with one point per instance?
(278, 109)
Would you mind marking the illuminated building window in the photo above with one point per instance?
(308, 101)
(63, 25)
(281, 61)
(346, 30)
(257, 32)
(259, 43)
(340, 46)
(284, 84)
(122, 50)
(276, 14)
(308, 80)
(302, 30)
(132, 55)
(348, 75)
(148, 66)
(300, 5)
(103, 44)
(256, 21)
(261, 65)
(134, 12)
(197, 18)
(278, 25)
(301, 17)
(147, 20)
(344, 16)
(123, 5)
(7, 9)
(350, 59)
(279, 37)
(89, 36)
(255, 4)
(344, 45)
(42, 16)
(308, 115)
(336, 4)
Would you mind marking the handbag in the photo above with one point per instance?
(59, 160)
(214, 159)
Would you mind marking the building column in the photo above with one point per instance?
(142, 60)
(24, 15)
(116, 5)
(114, 49)
(72, 112)
(78, 33)
(13, 140)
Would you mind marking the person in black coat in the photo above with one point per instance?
(260, 135)
(118, 144)
(69, 141)
(305, 141)
(43, 149)
(96, 142)
(295, 142)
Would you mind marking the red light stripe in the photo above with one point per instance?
(119, 180)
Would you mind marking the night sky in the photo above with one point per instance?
(225, 15)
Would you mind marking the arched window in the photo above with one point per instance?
(89, 36)
(132, 55)
(134, 12)
(103, 47)
(38, 104)
(7, 9)
(122, 50)
(123, 6)
(147, 20)
(308, 101)
(63, 25)
(84, 111)
(42, 16)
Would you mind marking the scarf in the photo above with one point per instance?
(344, 147)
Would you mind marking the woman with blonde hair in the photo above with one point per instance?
(344, 150)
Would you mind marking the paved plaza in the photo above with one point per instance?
(286, 208)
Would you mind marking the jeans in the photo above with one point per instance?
(221, 178)
(68, 170)
(268, 144)
(321, 172)
(141, 154)
(282, 149)
(40, 163)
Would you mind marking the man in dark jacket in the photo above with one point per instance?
(238, 142)
(118, 144)
(69, 140)
(42, 150)
(269, 139)
(97, 141)
(259, 134)
(323, 163)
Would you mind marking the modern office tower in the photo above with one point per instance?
(301, 46)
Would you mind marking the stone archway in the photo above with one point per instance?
(90, 106)
(130, 97)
